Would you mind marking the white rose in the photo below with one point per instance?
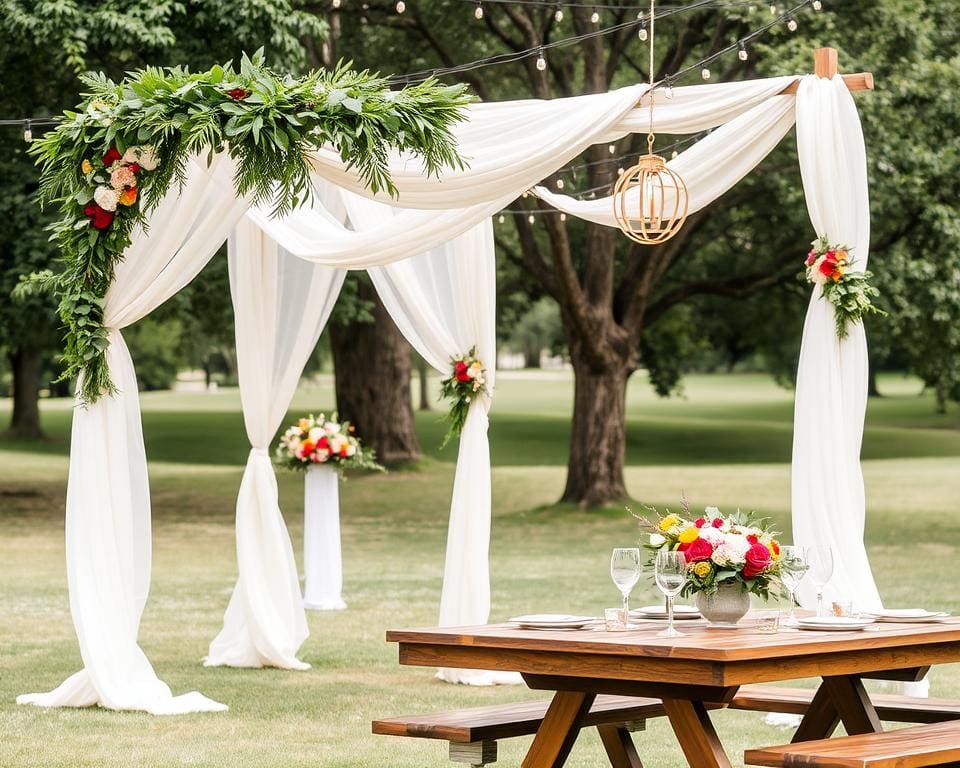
(143, 156)
(315, 434)
(107, 198)
(711, 535)
(719, 556)
(475, 370)
(331, 427)
(656, 540)
(351, 450)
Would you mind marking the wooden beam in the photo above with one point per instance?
(826, 64)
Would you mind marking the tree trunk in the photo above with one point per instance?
(941, 393)
(531, 357)
(598, 437)
(422, 371)
(27, 366)
(872, 389)
(372, 366)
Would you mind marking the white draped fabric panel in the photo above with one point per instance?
(831, 400)
(108, 496)
(281, 304)
(444, 302)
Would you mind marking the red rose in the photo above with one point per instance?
(238, 93)
(133, 167)
(752, 538)
(99, 218)
(828, 266)
(757, 559)
(111, 157)
(323, 444)
(716, 522)
(699, 549)
(700, 522)
(460, 371)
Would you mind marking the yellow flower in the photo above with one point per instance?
(85, 166)
(304, 424)
(668, 522)
(702, 569)
(689, 534)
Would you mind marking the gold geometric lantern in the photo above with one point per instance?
(650, 201)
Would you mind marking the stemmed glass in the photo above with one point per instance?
(670, 571)
(793, 567)
(625, 569)
(820, 563)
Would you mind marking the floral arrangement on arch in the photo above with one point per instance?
(850, 292)
(467, 381)
(318, 440)
(737, 549)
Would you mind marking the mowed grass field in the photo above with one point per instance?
(726, 442)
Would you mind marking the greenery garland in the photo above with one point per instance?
(108, 164)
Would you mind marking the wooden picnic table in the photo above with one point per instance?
(704, 666)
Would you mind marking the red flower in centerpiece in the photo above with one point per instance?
(133, 167)
(111, 157)
(460, 371)
(238, 94)
(699, 549)
(757, 559)
(716, 522)
(323, 444)
(99, 218)
(700, 522)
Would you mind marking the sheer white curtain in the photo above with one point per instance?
(828, 494)
(281, 304)
(108, 497)
(444, 302)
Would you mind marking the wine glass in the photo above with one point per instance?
(625, 571)
(820, 563)
(670, 570)
(793, 567)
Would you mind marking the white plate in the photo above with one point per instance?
(833, 623)
(551, 621)
(680, 612)
(908, 615)
(929, 619)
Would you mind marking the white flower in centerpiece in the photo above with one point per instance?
(315, 434)
(656, 540)
(351, 449)
(107, 198)
(144, 156)
(735, 547)
(711, 535)
(719, 556)
(331, 427)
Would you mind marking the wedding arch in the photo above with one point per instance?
(405, 184)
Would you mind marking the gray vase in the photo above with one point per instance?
(726, 606)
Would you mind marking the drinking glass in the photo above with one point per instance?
(820, 562)
(625, 571)
(670, 571)
(793, 567)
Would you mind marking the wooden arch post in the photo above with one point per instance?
(826, 64)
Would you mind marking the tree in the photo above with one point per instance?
(46, 44)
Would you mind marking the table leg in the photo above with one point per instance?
(619, 746)
(853, 704)
(559, 729)
(821, 719)
(696, 734)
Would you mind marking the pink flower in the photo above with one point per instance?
(122, 177)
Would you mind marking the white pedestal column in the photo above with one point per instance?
(322, 564)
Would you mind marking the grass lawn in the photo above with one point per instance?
(726, 442)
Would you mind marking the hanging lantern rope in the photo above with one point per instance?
(650, 201)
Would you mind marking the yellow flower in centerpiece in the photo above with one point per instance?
(304, 425)
(702, 569)
(85, 166)
(668, 522)
(688, 535)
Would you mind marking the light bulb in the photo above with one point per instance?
(619, 171)
(773, 9)
(742, 52)
(27, 132)
(401, 6)
(335, 4)
(595, 17)
(531, 218)
(673, 155)
(558, 15)
(817, 5)
(612, 149)
(563, 217)
(792, 24)
(501, 218)
(559, 183)
(478, 11)
(541, 62)
(642, 34)
(705, 73)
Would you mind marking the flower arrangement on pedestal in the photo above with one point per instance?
(316, 440)
(467, 381)
(850, 292)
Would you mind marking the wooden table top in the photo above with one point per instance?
(698, 642)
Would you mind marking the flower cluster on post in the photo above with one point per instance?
(831, 267)
(114, 185)
(720, 549)
(318, 440)
(468, 380)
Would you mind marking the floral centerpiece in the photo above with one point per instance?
(850, 292)
(467, 381)
(316, 440)
(728, 556)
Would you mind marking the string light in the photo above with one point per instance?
(558, 14)
(501, 218)
(595, 16)
(773, 9)
(817, 5)
(335, 4)
(642, 32)
(705, 73)
(742, 51)
(559, 183)
(612, 149)
(563, 217)
(792, 24)
(478, 11)
(401, 6)
(531, 218)
(541, 62)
